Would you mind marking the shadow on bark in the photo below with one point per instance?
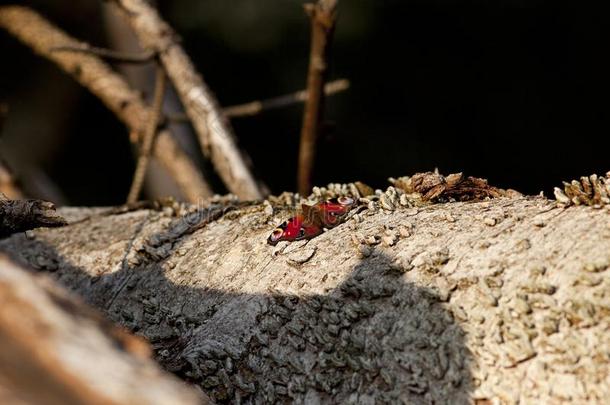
(373, 339)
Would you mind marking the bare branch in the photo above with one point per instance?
(256, 107)
(214, 132)
(97, 76)
(108, 54)
(323, 18)
(149, 136)
(286, 100)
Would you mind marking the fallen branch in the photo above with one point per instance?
(97, 76)
(55, 350)
(501, 300)
(323, 18)
(214, 132)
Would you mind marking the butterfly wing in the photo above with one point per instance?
(296, 228)
(334, 211)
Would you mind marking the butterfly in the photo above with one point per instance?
(313, 219)
(296, 228)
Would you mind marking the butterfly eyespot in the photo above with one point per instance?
(345, 200)
(333, 214)
(277, 233)
(301, 233)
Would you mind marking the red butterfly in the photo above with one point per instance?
(310, 224)
(296, 228)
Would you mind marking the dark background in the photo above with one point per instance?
(507, 90)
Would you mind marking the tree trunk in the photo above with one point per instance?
(506, 299)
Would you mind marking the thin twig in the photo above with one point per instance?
(323, 18)
(256, 107)
(214, 131)
(108, 54)
(149, 137)
(97, 76)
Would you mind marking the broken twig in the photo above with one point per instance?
(23, 215)
(323, 18)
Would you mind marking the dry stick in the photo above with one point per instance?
(149, 136)
(286, 100)
(323, 18)
(214, 131)
(256, 107)
(97, 76)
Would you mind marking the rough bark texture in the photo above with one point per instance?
(506, 299)
(54, 350)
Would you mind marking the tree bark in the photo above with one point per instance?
(502, 300)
